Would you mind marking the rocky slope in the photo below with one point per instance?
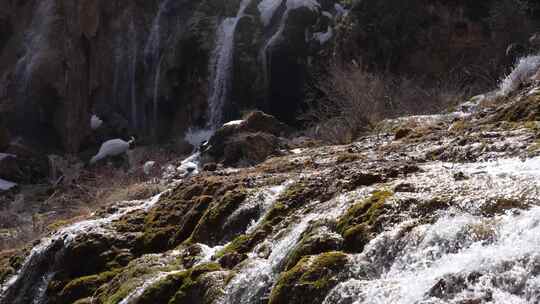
(429, 209)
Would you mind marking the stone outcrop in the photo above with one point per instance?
(246, 142)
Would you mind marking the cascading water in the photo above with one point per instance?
(221, 66)
(220, 78)
(268, 9)
(36, 41)
(157, 41)
(133, 73)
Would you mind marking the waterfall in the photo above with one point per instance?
(221, 67)
(36, 40)
(155, 43)
(132, 73)
(267, 9)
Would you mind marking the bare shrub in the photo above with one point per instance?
(349, 101)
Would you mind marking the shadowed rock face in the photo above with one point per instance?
(144, 67)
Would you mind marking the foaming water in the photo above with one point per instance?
(459, 257)
(254, 280)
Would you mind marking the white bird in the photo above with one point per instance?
(111, 148)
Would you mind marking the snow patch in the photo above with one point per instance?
(233, 123)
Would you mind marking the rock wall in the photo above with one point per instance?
(144, 67)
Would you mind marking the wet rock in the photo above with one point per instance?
(319, 238)
(310, 280)
(232, 259)
(404, 187)
(196, 285)
(459, 176)
(402, 133)
(210, 167)
(359, 223)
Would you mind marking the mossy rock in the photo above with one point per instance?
(318, 238)
(178, 288)
(215, 216)
(366, 211)
(500, 205)
(527, 109)
(293, 197)
(310, 280)
(133, 276)
(187, 212)
(244, 243)
(83, 287)
(362, 219)
(10, 262)
(356, 237)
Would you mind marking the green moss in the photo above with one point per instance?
(310, 280)
(84, 287)
(246, 242)
(366, 211)
(216, 215)
(318, 238)
(356, 237)
(358, 223)
(133, 276)
(178, 287)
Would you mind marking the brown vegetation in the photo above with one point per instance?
(350, 101)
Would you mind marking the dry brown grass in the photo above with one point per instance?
(39, 209)
(350, 101)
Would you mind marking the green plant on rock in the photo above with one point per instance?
(84, 286)
(358, 223)
(318, 238)
(178, 288)
(310, 280)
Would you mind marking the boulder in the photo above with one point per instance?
(246, 142)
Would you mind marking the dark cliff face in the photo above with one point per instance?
(438, 38)
(141, 66)
(144, 67)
